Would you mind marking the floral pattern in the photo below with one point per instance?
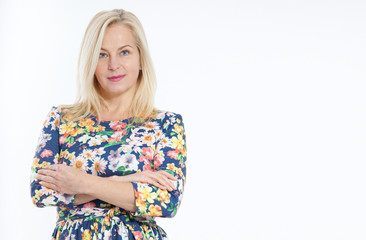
(112, 148)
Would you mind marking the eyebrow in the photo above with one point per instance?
(118, 48)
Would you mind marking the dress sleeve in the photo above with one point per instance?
(47, 153)
(170, 156)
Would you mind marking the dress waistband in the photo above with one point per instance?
(115, 213)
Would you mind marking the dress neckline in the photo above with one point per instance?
(110, 121)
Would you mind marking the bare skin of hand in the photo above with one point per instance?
(62, 178)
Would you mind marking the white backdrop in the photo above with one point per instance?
(272, 94)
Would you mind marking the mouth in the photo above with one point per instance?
(116, 78)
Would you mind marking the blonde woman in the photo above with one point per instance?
(111, 162)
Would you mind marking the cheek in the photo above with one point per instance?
(98, 71)
(133, 66)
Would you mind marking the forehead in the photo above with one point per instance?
(117, 35)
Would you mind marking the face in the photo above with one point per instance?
(119, 62)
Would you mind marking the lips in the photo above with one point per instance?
(116, 78)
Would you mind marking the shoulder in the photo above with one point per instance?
(53, 117)
(56, 113)
(164, 115)
(168, 118)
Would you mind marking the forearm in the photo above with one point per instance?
(118, 193)
(83, 198)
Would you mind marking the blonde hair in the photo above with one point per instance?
(89, 100)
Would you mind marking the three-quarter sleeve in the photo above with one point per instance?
(170, 156)
(47, 153)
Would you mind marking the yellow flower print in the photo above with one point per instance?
(68, 129)
(178, 128)
(86, 235)
(177, 142)
(164, 196)
(99, 128)
(146, 192)
(155, 210)
(71, 156)
(86, 122)
(153, 196)
(179, 171)
(171, 166)
(64, 153)
(35, 164)
(36, 196)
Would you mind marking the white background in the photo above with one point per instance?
(272, 94)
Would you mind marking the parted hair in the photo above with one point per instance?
(89, 100)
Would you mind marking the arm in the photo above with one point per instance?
(170, 156)
(158, 179)
(87, 187)
(145, 193)
(47, 153)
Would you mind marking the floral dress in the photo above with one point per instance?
(112, 148)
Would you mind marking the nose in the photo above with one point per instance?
(113, 63)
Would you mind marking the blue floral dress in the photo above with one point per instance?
(112, 148)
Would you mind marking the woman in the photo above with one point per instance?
(111, 162)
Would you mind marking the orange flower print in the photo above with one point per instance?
(87, 122)
(155, 210)
(57, 122)
(86, 235)
(88, 154)
(164, 141)
(171, 166)
(149, 139)
(113, 148)
(164, 196)
(66, 129)
(150, 125)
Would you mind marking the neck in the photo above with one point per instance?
(118, 105)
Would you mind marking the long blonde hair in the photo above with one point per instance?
(89, 100)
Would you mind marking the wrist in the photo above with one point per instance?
(87, 183)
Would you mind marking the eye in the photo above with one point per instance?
(102, 55)
(124, 52)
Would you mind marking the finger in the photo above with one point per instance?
(155, 183)
(46, 179)
(163, 180)
(168, 181)
(49, 185)
(168, 175)
(51, 167)
(47, 172)
(156, 180)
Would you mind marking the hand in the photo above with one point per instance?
(62, 178)
(160, 179)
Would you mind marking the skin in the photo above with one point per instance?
(116, 190)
